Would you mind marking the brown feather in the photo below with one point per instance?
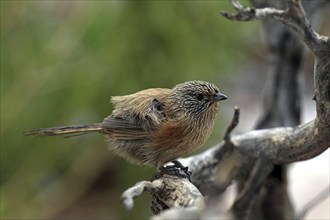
(155, 126)
(65, 130)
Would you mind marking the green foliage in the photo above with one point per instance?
(60, 63)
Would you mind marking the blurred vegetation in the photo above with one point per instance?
(60, 63)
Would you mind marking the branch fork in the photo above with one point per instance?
(252, 153)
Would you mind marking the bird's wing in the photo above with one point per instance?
(120, 128)
(137, 104)
(135, 115)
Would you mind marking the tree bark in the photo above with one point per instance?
(256, 158)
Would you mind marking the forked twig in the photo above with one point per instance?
(233, 124)
(294, 17)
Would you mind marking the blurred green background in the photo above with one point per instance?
(60, 63)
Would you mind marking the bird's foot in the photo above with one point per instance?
(181, 167)
(174, 170)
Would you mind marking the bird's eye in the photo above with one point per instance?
(159, 108)
(199, 97)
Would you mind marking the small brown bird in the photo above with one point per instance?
(155, 126)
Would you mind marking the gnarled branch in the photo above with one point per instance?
(280, 145)
(294, 17)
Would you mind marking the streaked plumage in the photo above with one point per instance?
(155, 126)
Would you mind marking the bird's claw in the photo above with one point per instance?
(174, 170)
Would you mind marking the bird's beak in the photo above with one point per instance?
(218, 97)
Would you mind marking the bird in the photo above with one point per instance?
(154, 126)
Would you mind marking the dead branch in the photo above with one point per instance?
(286, 144)
(233, 124)
(168, 191)
(294, 17)
(280, 145)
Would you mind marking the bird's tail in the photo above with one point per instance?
(66, 131)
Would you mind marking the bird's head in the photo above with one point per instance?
(197, 98)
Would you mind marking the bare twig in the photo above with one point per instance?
(233, 124)
(128, 196)
(294, 16)
(168, 192)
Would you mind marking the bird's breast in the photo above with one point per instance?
(178, 138)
